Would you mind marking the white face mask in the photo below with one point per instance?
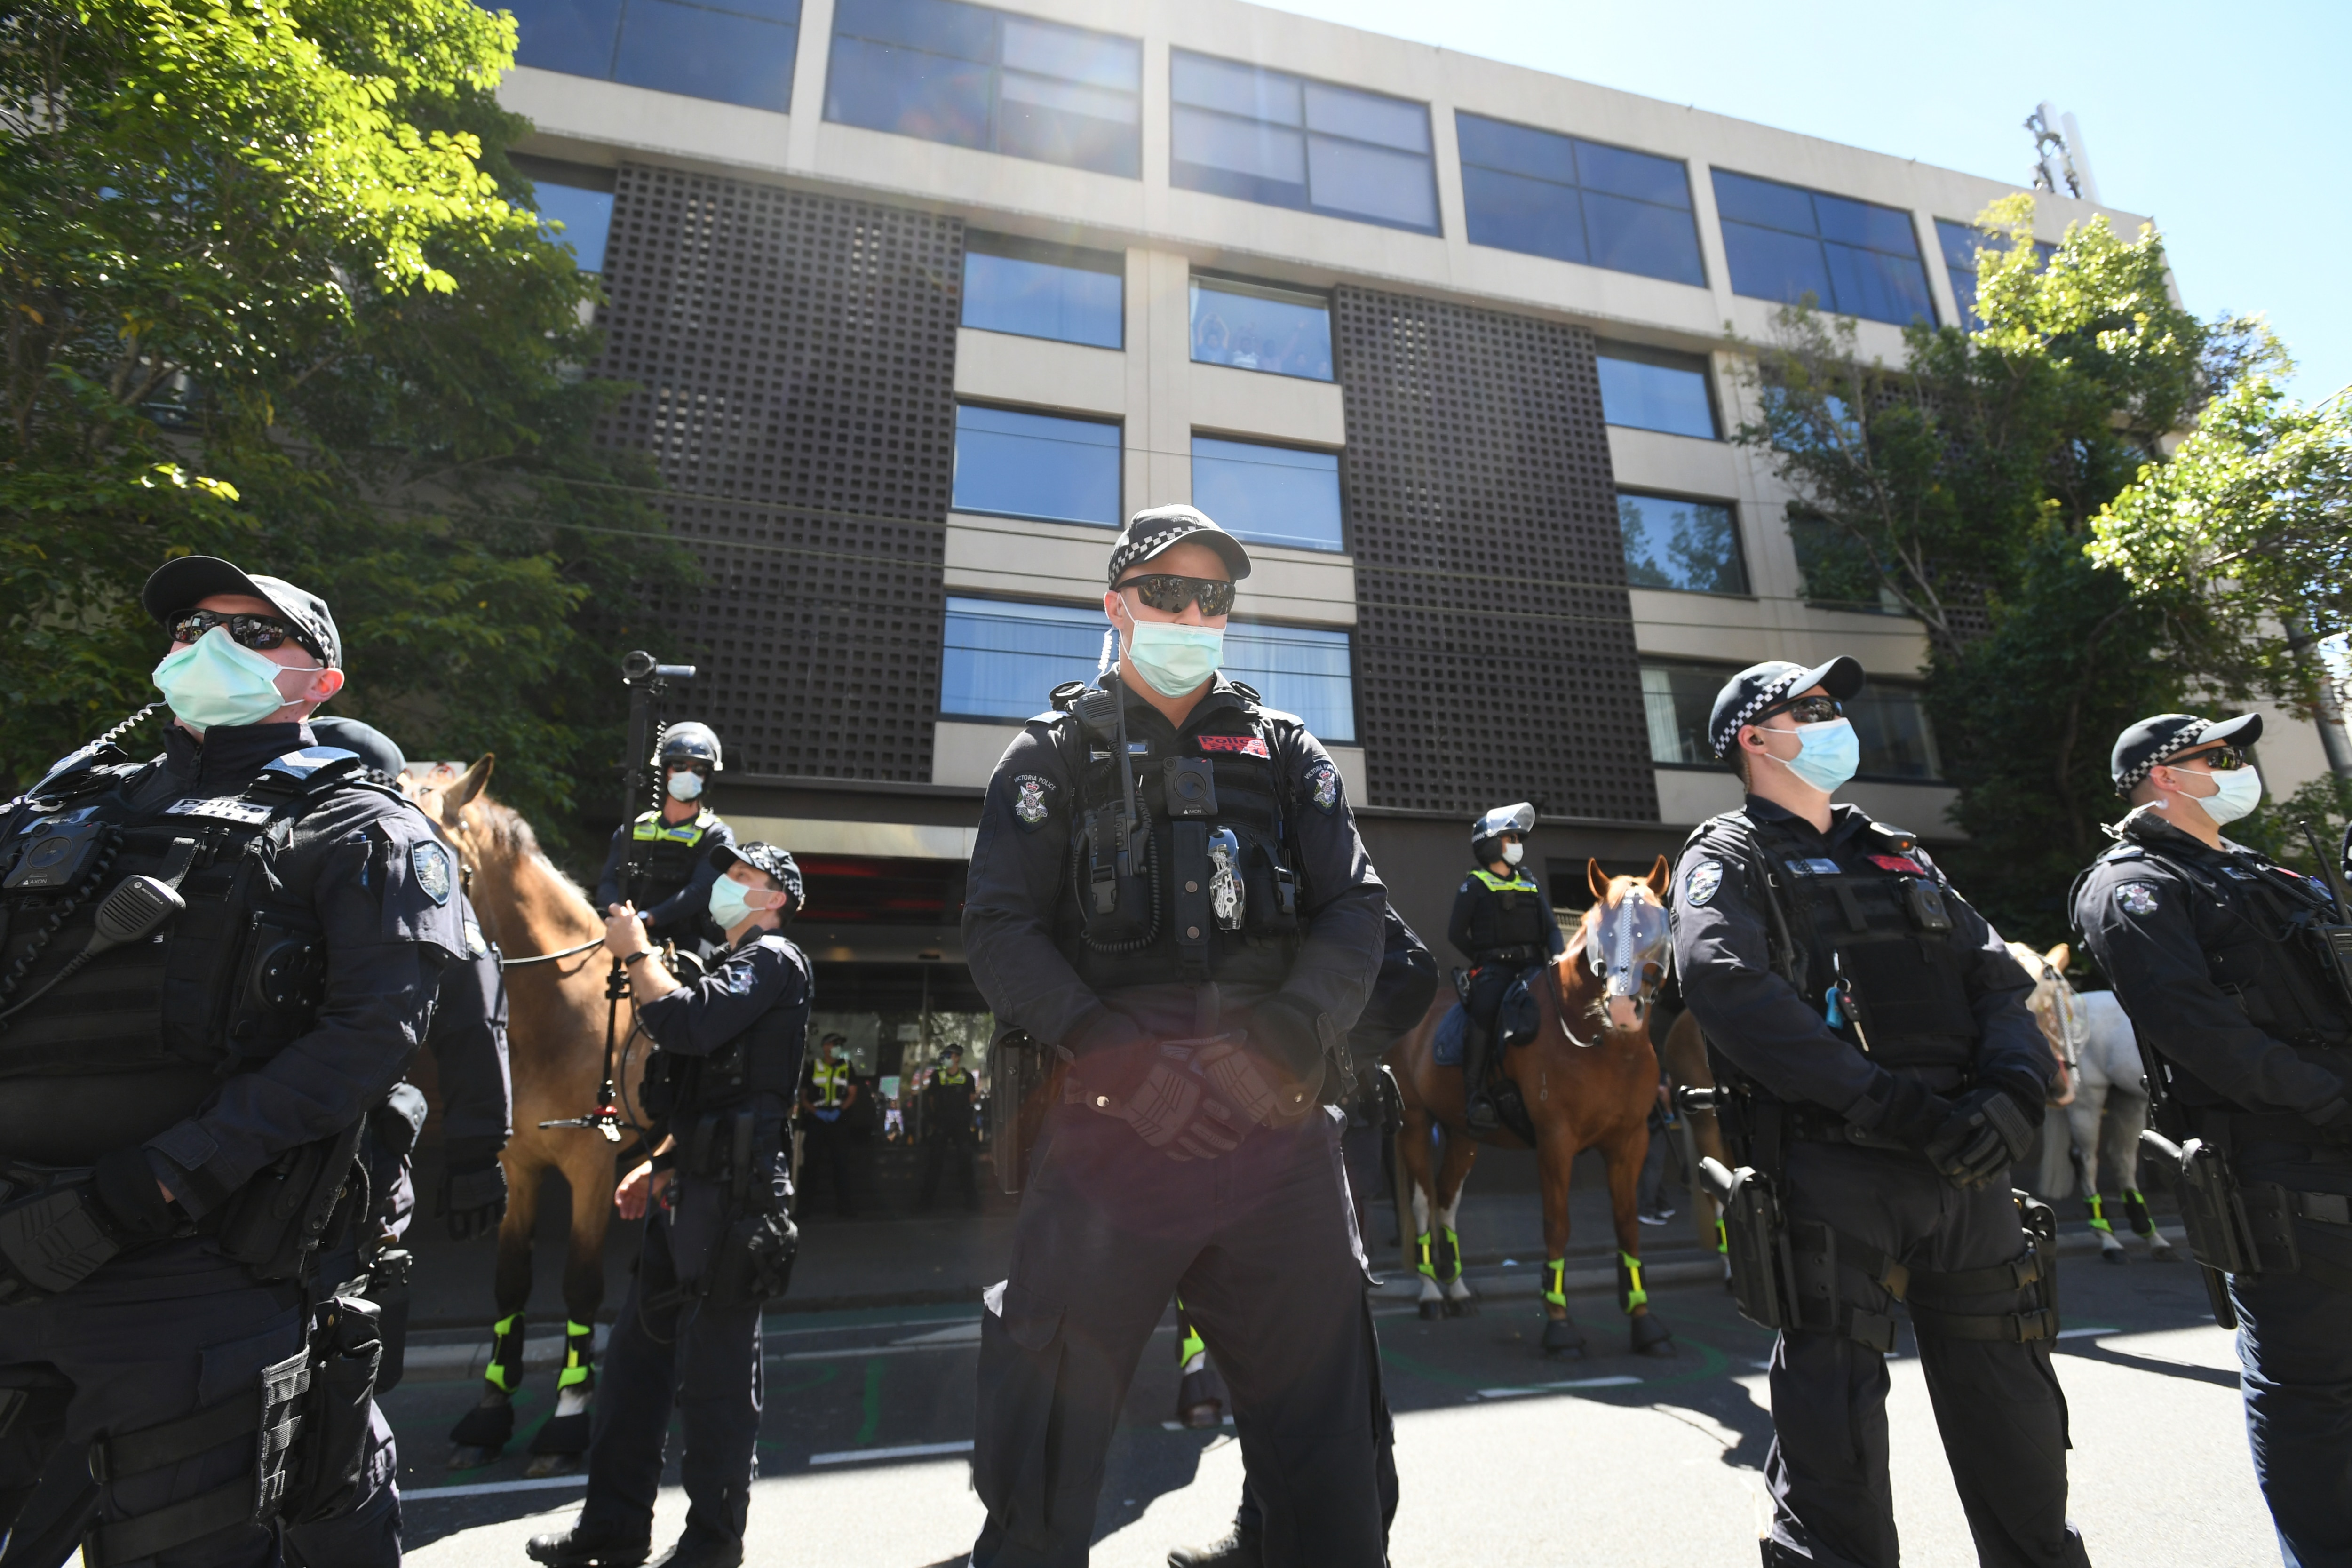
(2235, 793)
(215, 681)
(686, 785)
(1514, 852)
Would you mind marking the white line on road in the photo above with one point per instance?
(2085, 1333)
(909, 1451)
(484, 1488)
(851, 1352)
(1618, 1382)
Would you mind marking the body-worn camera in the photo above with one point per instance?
(1189, 785)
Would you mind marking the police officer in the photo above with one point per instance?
(216, 963)
(1168, 888)
(1881, 1074)
(670, 849)
(2222, 960)
(1503, 923)
(728, 1050)
(828, 1089)
(947, 1131)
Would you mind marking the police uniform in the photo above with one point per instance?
(673, 861)
(234, 1056)
(826, 1090)
(2219, 958)
(947, 1131)
(1196, 959)
(1503, 926)
(718, 1245)
(1867, 1026)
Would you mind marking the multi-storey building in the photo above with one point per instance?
(921, 297)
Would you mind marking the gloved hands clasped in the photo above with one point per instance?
(1194, 1099)
(473, 1190)
(1985, 1133)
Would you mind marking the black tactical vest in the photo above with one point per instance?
(1203, 884)
(763, 1059)
(135, 1040)
(666, 854)
(1509, 917)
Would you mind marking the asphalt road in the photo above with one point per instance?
(1506, 1458)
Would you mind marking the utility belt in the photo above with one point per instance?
(1813, 1124)
(753, 1262)
(2243, 1228)
(1517, 957)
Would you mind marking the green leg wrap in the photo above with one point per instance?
(2136, 1209)
(579, 1356)
(1188, 1338)
(1629, 1282)
(1449, 1255)
(1722, 1238)
(1555, 1293)
(1422, 1242)
(505, 1370)
(2099, 1215)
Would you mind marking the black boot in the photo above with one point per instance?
(588, 1546)
(1478, 1112)
(1241, 1548)
(696, 1550)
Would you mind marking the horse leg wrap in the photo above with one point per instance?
(1722, 1238)
(566, 1431)
(1554, 1294)
(505, 1370)
(1421, 1244)
(490, 1423)
(1449, 1254)
(2099, 1212)
(2136, 1211)
(1630, 1293)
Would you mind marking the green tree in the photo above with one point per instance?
(271, 289)
(1961, 487)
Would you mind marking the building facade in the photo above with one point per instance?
(921, 298)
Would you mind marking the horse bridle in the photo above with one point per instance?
(1617, 960)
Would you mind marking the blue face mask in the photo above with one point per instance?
(1175, 659)
(214, 680)
(728, 907)
(1828, 753)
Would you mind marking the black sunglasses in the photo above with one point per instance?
(689, 765)
(1162, 591)
(1807, 709)
(2219, 759)
(260, 633)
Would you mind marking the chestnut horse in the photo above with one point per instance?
(1587, 1080)
(556, 1045)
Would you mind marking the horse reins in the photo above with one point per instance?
(552, 957)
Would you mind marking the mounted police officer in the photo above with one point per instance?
(949, 1135)
(217, 962)
(662, 862)
(1504, 925)
(719, 1091)
(2234, 972)
(1167, 889)
(1880, 1075)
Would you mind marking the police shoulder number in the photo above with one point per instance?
(1701, 881)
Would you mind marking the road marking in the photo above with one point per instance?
(484, 1488)
(1620, 1381)
(851, 1352)
(1180, 1426)
(2085, 1333)
(954, 1334)
(906, 1451)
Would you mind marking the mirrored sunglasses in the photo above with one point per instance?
(260, 633)
(1171, 593)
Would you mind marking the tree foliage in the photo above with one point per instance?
(271, 289)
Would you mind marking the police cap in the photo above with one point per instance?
(1748, 696)
(772, 859)
(1150, 531)
(699, 742)
(372, 746)
(2152, 743)
(180, 584)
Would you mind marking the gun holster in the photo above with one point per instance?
(276, 1222)
(2233, 1227)
(52, 1235)
(1024, 1082)
(1756, 1239)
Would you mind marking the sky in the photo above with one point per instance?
(2212, 118)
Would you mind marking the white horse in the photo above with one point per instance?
(2099, 1116)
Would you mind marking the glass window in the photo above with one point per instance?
(1044, 291)
(1268, 136)
(998, 659)
(1036, 465)
(1649, 389)
(1268, 495)
(733, 51)
(1837, 574)
(1692, 546)
(1677, 699)
(1253, 328)
(1892, 724)
(1575, 200)
(973, 77)
(1298, 670)
(1960, 242)
(1854, 258)
(575, 206)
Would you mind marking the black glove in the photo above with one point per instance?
(1288, 1033)
(1987, 1133)
(2335, 1119)
(124, 1186)
(1173, 1112)
(1903, 1109)
(473, 1190)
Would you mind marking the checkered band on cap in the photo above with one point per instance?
(2188, 736)
(1764, 697)
(775, 860)
(1150, 531)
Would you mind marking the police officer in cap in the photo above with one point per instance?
(728, 1050)
(1880, 1073)
(2225, 963)
(1503, 923)
(216, 963)
(947, 1131)
(1168, 888)
(670, 848)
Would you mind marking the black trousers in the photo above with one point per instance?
(827, 1145)
(1263, 1245)
(1998, 1405)
(945, 1151)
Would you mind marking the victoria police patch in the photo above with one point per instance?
(1029, 793)
(432, 865)
(1324, 782)
(2137, 898)
(1700, 885)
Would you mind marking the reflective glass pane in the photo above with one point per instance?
(1073, 54)
(573, 35)
(1767, 264)
(1268, 495)
(1367, 117)
(1964, 293)
(1892, 728)
(1070, 96)
(1641, 176)
(707, 54)
(913, 93)
(1497, 145)
(998, 660)
(1866, 224)
(1837, 572)
(1638, 237)
(1511, 211)
(1250, 332)
(586, 218)
(1056, 122)
(1298, 670)
(1690, 546)
(1878, 287)
(936, 26)
(1656, 397)
(1036, 465)
(1243, 146)
(1676, 699)
(1371, 181)
(1039, 300)
(1241, 90)
(1745, 200)
(1960, 242)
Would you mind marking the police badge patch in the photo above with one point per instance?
(1700, 885)
(1323, 784)
(1029, 799)
(2137, 898)
(432, 865)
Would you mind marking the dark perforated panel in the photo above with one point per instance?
(796, 357)
(1494, 654)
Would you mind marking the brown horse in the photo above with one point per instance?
(556, 1045)
(1587, 1080)
(1685, 1057)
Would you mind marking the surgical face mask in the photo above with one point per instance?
(1175, 659)
(686, 785)
(1514, 852)
(2236, 793)
(1828, 753)
(731, 904)
(213, 682)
